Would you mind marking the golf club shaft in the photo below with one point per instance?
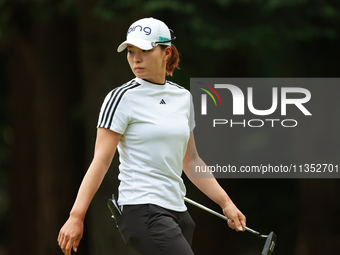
(219, 215)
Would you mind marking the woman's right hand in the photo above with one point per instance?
(70, 234)
(72, 231)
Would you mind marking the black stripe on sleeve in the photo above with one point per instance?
(113, 102)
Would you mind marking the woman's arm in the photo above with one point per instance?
(209, 186)
(105, 148)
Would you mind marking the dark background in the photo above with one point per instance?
(58, 60)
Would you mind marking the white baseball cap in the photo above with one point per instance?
(146, 34)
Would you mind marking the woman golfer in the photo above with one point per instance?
(150, 120)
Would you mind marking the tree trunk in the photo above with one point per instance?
(47, 154)
(103, 69)
(23, 208)
(318, 231)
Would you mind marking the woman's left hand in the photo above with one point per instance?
(236, 218)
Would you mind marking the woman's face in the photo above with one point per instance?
(148, 64)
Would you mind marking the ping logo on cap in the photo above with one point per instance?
(146, 30)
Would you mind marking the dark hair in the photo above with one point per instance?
(173, 62)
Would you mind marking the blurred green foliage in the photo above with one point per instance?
(18, 13)
(217, 25)
(264, 36)
(222, 24)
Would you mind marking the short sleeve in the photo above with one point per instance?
(114, 113)
(192, 123)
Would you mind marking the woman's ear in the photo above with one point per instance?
(168, 52)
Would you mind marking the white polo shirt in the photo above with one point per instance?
(155, 122)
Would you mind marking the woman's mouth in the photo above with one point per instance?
(138, 69)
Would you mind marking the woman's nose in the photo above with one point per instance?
(137, 58)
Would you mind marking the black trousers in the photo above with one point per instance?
(153, 230)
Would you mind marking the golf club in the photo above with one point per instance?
(270, 238)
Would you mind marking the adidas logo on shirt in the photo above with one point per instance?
(162, 101)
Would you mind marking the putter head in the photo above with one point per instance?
(269, 244)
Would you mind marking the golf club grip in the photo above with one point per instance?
(216, 213)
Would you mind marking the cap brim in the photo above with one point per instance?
(140, 43)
